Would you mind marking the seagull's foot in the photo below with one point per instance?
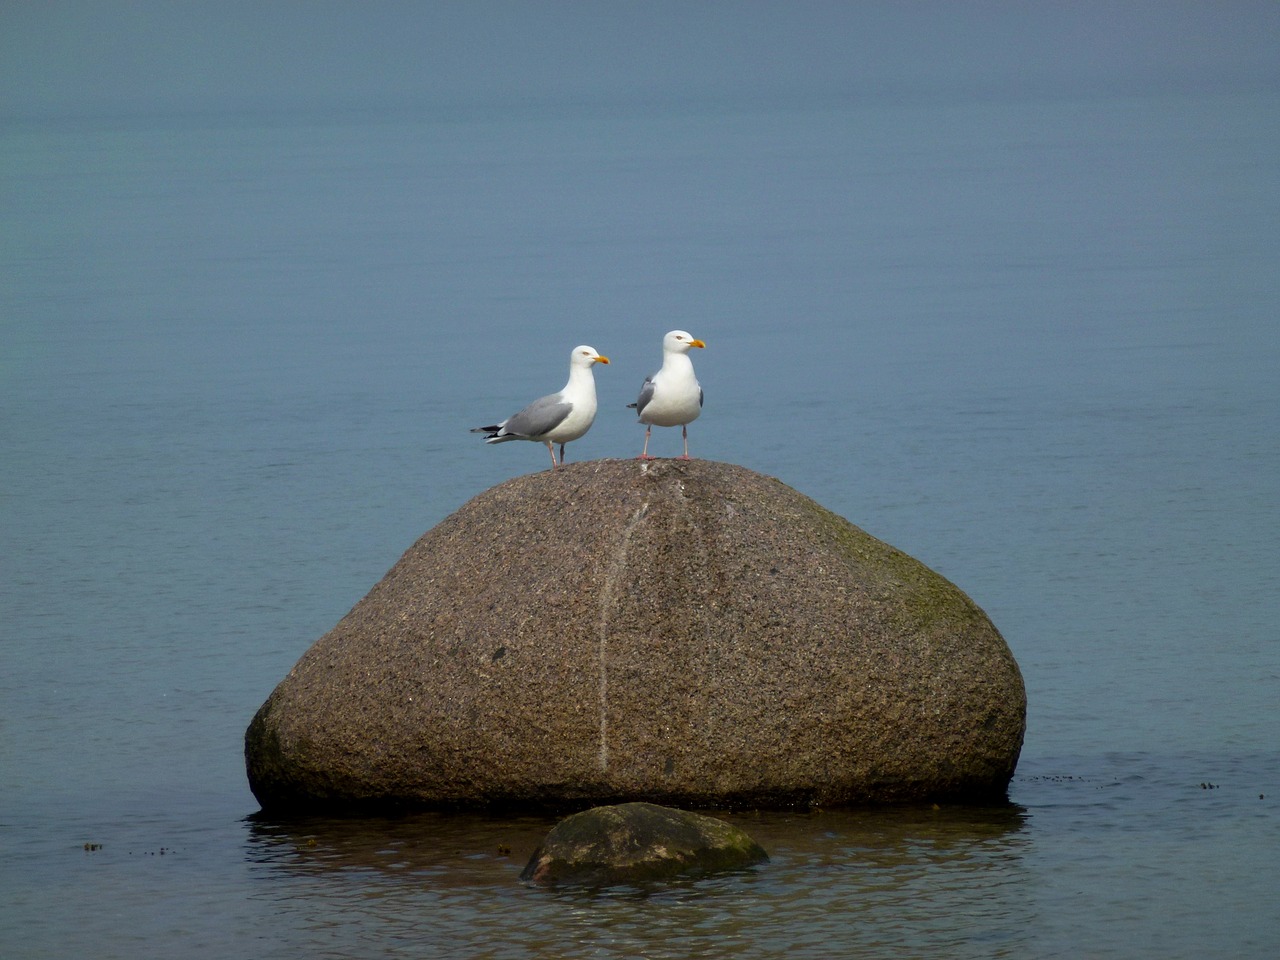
(645, 456)
(684, 456)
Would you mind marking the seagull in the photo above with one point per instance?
(557, 417)
(672, 396)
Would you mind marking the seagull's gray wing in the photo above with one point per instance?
(646, 394)
(540, 417)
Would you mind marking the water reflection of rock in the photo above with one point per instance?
(889, 846)
(889, 835)
(446, 848)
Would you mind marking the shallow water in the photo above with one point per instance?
(1077, 864)
(1028, 341)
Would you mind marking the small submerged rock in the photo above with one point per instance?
(633, 842)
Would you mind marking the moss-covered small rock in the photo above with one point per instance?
(638, 842)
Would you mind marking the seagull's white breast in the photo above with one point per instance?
(677, 397)
(577, 422)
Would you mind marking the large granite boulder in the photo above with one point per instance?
(637, 842)
(687, 633)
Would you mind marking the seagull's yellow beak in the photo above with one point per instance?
(602, 359)
(696, 343)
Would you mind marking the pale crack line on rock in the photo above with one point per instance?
(606, 607)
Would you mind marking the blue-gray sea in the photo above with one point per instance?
(1030, 339)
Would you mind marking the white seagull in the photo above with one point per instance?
(672, 396)
(557, 417)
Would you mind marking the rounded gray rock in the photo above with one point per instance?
(637, 842)
(689, 633)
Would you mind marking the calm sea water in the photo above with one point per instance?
(1031, 342)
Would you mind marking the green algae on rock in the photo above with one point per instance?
(685, 633)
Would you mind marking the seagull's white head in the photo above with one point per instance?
(585, 356)
(680, 341)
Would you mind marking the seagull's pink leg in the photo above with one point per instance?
(644, 454)
(684, 432)
(551, 450)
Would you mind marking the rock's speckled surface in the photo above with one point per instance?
(688, 633)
